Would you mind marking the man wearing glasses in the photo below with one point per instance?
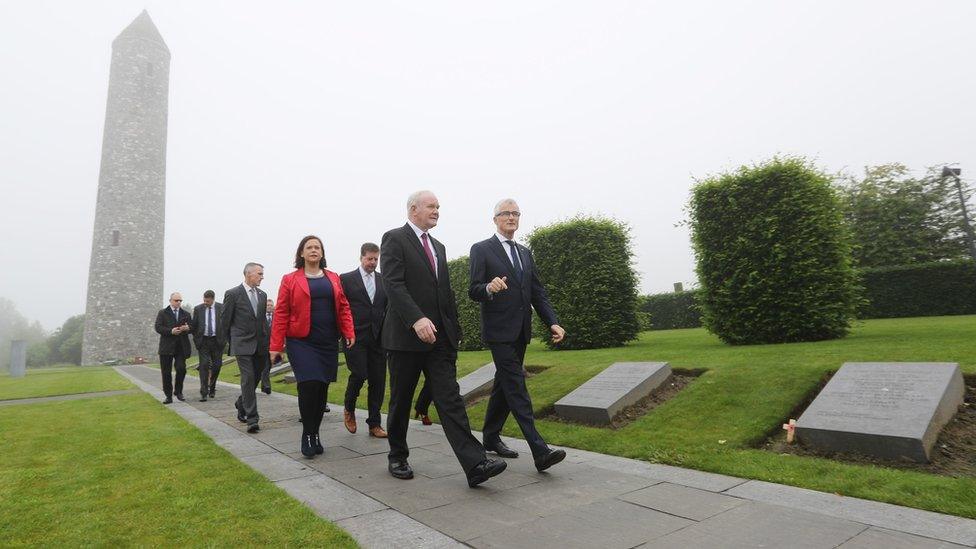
(505, 282)
(173, 327)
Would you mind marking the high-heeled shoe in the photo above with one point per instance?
(308, 445)
(424, 418)
(319, 449)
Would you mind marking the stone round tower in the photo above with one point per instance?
(125, 277)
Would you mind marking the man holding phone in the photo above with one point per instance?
(173, 327)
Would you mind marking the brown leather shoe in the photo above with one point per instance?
(377, 431)
(349, 418)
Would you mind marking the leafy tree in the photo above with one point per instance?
(13, 325)
(773, 254)
(64, 345)
(898, 219)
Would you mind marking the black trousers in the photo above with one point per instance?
(266, 374)
(166, 363)
(422, 406)
(438, 366)
(366, 364)
(509, 394)
(211, 359)
(311, 405)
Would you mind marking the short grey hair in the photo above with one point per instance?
(502, 202)
(250, 266)
(414, 198)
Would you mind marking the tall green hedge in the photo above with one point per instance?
(469, 312)
(774, 255)
(585, 264)
(929, 289)
(672, 310)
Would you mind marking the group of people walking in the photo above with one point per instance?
(404, 319)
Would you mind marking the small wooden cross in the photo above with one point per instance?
(790, 430)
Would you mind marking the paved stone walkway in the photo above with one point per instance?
(36, 400)
(590, 500)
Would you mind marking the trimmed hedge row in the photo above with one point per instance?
(672, 310)
(469, 312)
(928, 289)
(585, 264)
(773, 255)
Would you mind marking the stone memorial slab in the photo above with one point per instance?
(602, 397)
(290, 378)
(477, 383)
(890, 410)
(18, 358)
(283, 367)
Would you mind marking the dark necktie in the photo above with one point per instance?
(209, 330)
(430, 254)
(515, 259)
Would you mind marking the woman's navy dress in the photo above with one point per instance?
(316, 356)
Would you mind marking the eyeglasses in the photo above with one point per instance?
(178, 300)
(508, 213)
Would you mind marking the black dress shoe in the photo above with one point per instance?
(212, 394)
(266, 390)
(401, 470)
(168, 400)
(253, 428)
(485, 470)
(319, 449)
(548, 460)
(203, 398)
(501, 449)
(308, 446)
(327, 409)
(179, 397)
(240, 414)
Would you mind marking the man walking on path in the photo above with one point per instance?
(244, 325)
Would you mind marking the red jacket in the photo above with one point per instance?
(293, 311)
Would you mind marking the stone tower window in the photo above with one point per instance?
(149, 69)
(115, 238)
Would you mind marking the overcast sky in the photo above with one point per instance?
(321, 117)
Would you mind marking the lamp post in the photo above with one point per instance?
(967, 227)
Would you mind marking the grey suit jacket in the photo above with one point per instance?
(248, 334)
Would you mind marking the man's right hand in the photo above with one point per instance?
(497, 284)
(425, 330)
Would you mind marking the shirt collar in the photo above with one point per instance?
(363, 273)
(503, 239)
(417, 230)
(246, 287)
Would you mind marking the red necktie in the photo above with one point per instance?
(430, 254)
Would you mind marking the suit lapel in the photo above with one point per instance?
(247, 300)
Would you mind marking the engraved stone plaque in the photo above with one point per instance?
(889, 410)
(602, 397)
(477, 383)
(18, 358)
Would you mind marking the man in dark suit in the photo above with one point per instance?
(421, 333)
(505, 282)
(206, 336)
(244, 324)
(266, 371)
(364, 290)
(173, 325)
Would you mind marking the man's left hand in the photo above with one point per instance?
(557, 333)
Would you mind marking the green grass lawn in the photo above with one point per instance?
(125, 471)
(747, 393)
(62, 381)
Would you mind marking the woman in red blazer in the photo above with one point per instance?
(311, 315)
